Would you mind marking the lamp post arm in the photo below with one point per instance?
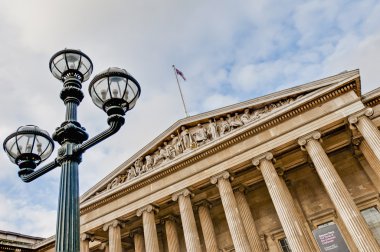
(36, 174)
(115, 122)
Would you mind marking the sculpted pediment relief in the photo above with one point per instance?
(184, 138)
(187, 139)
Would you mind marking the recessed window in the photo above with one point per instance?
(372, 217)
(284, 245)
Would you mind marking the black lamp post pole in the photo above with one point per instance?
(69, 135)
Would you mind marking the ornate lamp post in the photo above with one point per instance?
(113, 90)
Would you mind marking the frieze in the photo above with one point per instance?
(187, 139)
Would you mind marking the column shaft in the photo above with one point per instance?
(150, 232)
(138, 240)
(341, 198)
(207, 229)
(248, 222)
(283, 204)
(370, 133)
(149, 225)
(234, 221)
(114, 235)
(172, 235)
(84, 245)
(114, 239)
(370, 156)
(188, 221)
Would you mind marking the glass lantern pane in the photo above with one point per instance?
(57, 74)
(85, 68)
(132, 90)
(60, 63)
(12, 149)
(73, 60)
(26, 143)
(102, 89)
(40, 147)
(47, 151)
(117, 86)
(132, 103)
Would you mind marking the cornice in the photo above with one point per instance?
(303, 105)
(372, 98)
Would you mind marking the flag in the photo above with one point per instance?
(178, 72)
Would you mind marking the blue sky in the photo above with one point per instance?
(230, 51)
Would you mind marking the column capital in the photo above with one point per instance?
(204, 203)
(148, 208)
(240, 188)
(354, 118)
(86, 236)
(223, 175)
(135, 231)
(104, 246)
(185, 192)
(169, 217)
(303, 140)
(265, 156)
(113, 223)
(356, 141)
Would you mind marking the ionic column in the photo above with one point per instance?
(248, 222)
(283, 203)
(171, 233)
(341, 198)
(114, 235)
(234, 221)
(369, 155)
(104, 246)
(150, 230)
(138, 240)
(368, 130)
(85, 242)
(188, 220)
(208, 231)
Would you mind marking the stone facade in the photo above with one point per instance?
(245, 177)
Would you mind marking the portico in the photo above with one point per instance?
(300, 137)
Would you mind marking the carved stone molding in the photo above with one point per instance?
(223, 175)
(204, 203)
(240, 188)
(265, 156)
(314, 135)
(135, 231)
(87, 236)
(353, 119)
(104, 246)
(148, 208)
(185, 192)
(113, 223)
(169, 217)
(185, 139)
(356, 141)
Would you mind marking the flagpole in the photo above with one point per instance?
(180, 91)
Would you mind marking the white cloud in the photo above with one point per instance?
(215, 101)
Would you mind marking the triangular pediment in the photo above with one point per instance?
(193, 133)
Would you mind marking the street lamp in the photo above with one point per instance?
(113, 90)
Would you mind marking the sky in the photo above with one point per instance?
(229, 51)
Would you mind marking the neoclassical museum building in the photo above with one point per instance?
(296, 170)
